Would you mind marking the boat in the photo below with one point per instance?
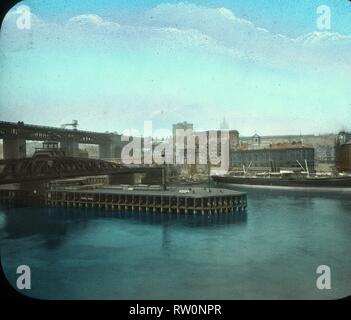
(287, 180)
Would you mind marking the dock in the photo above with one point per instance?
(186, 201)
(97, 192)
(179, 201)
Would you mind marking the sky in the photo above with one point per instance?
(264, 66)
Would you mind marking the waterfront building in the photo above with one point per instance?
(274, 159)
(325, 153)
(323, 144)
(182, 126)
(214, 145)
(181, 149)
(343, 152)
(256, 140)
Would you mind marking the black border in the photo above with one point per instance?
(121, 307)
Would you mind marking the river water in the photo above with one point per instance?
(270, 252)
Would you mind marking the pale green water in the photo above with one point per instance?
(271, 252)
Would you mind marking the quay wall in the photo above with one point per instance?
(198, 202)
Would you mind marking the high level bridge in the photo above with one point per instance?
(15, 135)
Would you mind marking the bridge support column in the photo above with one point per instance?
(105, 151)
(71, 148)
(14, 148)
(111, 149)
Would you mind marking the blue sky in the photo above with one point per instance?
(279, 16)
(263, 65)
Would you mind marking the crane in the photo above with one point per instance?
(74, 125)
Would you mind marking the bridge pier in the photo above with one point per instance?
(111, 150)
(71, 148)
(14, 148)
(105, 151)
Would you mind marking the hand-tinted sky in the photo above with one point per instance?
(113, 64)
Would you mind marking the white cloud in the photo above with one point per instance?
(91, 20)
(87, 18)
(226, 13)
(191, 26)
(328, 38)
(245, 39)
(219, 23)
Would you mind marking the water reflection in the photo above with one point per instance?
(27, 222)
(55, 224)
(262, 193)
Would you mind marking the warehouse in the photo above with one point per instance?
(274, 159)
